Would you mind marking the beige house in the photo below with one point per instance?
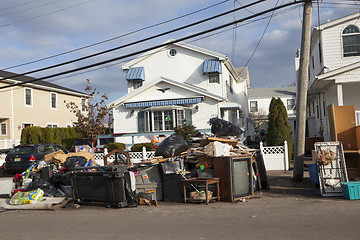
(38, 103)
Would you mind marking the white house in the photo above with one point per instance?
(334, 71)
(176, 85)
(259, 103)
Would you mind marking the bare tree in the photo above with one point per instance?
(93, 116)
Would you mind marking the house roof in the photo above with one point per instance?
(179, 44)
(8, 76)
(338, 21)
(271, 92)
(186, 86)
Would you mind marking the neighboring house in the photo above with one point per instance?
(259, 103)
(33, 104)
(176, 85)
(334, 71)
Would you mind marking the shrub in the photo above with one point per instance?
(112, 146)
(186, 132)
(139, 146)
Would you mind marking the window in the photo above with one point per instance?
(157, 120)
(137, 83)
(26, 125)
(253, 106)
(28, 96)
(181, 118)
(52, 125)
(3, 129)
(169, 120)
(324, 106)
(351, 41)
(214, 78)
(163, 120)
(83, 104)
(290, 104)
(357, 116)
(53, 100)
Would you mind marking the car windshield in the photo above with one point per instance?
(22, 150)
(83, 142)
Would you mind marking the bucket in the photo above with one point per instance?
(313, 172)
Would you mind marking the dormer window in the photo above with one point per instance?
(351, 41)
(214, 78)
(137, 83)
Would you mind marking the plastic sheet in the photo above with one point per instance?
(174, 145)
(220, 127)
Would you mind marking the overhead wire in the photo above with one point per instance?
(19, 5)
(154, 47)
(46, 14)
(117, 37)
(30, 8)
(135, 42)
(189, 41)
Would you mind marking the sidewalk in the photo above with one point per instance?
(281, 184)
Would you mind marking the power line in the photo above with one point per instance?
(194, 40)
(155, 47)
(17, 5)
(46, 14)
(136, 42)
(31, 8)
(114, 38)
(258, 44)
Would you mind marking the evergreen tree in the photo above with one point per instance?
(279, 128)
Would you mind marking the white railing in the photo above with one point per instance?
(5, 144)
(135, 157)
(275, 158)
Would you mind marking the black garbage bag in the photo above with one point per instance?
(220, 127)
(48, 188)
(74, 162)
(171, 146)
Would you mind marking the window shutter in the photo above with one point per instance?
(188, 116)
(141, 122)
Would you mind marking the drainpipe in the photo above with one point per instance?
(12, 136)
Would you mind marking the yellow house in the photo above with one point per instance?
(38, 103)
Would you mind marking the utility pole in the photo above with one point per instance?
(301, 95)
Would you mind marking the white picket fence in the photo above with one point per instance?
(276, 157)
(135, 157)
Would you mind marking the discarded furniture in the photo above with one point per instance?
(236, 176)
(343, 128)
(201, 181)
(331, 167)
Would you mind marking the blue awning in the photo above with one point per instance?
(212, 66)
(135, 73)
(164, 102)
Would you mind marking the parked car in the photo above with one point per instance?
(82, 141)
(22, 157)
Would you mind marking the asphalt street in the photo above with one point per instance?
(287, 211)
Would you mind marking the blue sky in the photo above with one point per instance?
(35, 29)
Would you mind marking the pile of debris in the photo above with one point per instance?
(236, 171)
